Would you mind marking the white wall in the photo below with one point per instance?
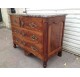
(5, 17)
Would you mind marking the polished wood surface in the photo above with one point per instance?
(40, 36)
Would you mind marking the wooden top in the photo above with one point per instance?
(37, 15)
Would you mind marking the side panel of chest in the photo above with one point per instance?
(56, 29)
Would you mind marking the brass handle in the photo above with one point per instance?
(34, 48)
(32, 25)
(33, 37)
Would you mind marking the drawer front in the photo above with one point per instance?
(28, 46)
(36, 51)
(33, 48)
(32, 23)
(28, 35)
(32, 36)
(15, 21)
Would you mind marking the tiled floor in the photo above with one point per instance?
(15, 58)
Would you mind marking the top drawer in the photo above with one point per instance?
(15, 20)
(32, 23)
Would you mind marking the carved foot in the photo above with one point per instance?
(14, 45)
(44, 64)
(60, 54)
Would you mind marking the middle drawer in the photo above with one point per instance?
(28, 35)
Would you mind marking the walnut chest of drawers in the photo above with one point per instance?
(41, 36)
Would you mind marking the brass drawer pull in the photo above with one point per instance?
(34, 48)
(32, 25)
(33, 37)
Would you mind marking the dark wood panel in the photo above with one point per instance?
(55, 34)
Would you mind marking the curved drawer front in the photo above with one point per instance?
(15, 21)
(27, 45)
(32, 36)
(35, 48)
(32, 23)
(28, 35)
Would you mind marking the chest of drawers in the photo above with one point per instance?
(38, 35)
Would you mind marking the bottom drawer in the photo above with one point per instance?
(35, 52)
(28, 46)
